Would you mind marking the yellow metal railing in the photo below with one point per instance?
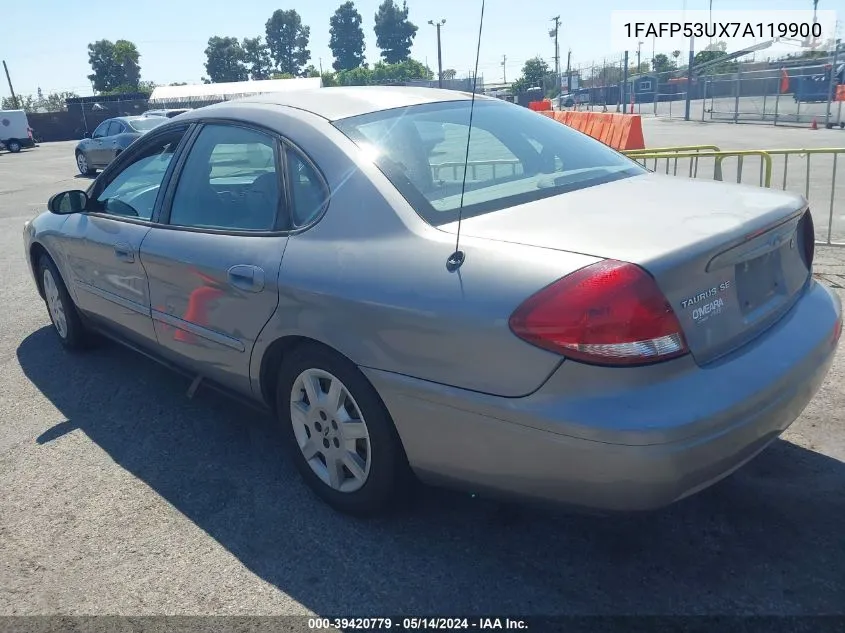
(812, 171)
(718, 157)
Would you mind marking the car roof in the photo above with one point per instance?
(347, 101)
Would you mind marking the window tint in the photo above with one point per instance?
(133, 191)
(515, 156)
(115, 127)
(306, 189)
(102, 129)
(229, 181)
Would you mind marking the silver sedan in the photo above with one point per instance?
(109, 139)
(506, 306)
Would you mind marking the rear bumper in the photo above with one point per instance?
(620, 439)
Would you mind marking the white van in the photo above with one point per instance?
(15, 132)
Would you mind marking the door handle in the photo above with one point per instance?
(124, 252)
(246, 277)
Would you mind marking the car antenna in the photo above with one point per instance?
(457, 258)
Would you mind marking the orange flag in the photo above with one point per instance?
(784, 81)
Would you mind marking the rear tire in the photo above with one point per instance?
(13, 146)
(63, 314)
(341, 439)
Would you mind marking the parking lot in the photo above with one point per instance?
(119, 495)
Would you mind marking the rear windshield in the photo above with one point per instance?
(515, 156)
(146, 124)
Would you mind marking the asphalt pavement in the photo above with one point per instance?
(120, 495)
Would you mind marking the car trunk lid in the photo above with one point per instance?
(730, 259)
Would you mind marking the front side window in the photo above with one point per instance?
(229, 181)
(115, 128)
(132, 192)
(515, 156)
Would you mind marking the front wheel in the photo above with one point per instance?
(339, 433)
(60, 306)
(83, 165)
(13, 146)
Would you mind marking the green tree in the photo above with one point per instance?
(534, 74)
(662, 64)
(384, 74)
(450, 73)
(310, 71)
(287, 39)
(395, 33)
(257, 58)
(346, 37)
(52, 102)
(702, 57)
(224, 60)
(115, 64)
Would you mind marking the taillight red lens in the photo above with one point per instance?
(609, 313)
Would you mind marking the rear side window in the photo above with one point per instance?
(308, 195)
(515, 156)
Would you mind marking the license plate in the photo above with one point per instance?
(759, 280)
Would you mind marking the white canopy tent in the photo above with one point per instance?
(177, 95)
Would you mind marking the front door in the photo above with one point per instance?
(213, 263)
(104, 244)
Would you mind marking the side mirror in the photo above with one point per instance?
(68, 202)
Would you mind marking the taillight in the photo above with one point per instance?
(609, 313)
(807, 238)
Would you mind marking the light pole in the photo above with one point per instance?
(437, 25)
(639, 48)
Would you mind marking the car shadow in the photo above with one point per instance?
(85, 176)
(767, 540)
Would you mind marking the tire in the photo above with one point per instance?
(63, 314)
(13, 146)
(83, 165)
(379, 456)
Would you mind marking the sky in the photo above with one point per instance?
(44, 42)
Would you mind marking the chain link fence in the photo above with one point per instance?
(779, 92)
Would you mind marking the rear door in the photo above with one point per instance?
(111, 144)
(96, 145)
(103, 244)
(213, 263)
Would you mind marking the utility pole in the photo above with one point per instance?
(689, 77)
(504, 69)
(437, 25)
(568, 72)
(12, 90)
(554, 33)
(639, 48)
